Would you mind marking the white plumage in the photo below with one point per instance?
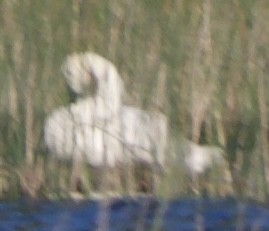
(100, 128)
(78, 132)
(145, 135)
(81, 69)
(141, 132)
(200, 158)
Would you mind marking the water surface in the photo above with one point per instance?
(133, 214)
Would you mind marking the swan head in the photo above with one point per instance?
(80, 79)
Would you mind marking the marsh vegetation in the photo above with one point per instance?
(201, 63)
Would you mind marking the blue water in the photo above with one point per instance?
(134, 214)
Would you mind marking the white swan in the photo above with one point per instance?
(80, 130)
(99, 128)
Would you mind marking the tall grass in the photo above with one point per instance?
(212, 52)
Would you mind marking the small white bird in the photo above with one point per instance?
(200, 158)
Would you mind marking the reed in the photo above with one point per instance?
(212, 54)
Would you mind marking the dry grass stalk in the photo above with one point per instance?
(14, 35)
(202, 82)
(75, 23)
(29, 115)
(264, 127)
(32, 179)
(259, 64)
(13, 99)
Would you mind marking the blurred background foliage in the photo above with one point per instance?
(212, 56)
